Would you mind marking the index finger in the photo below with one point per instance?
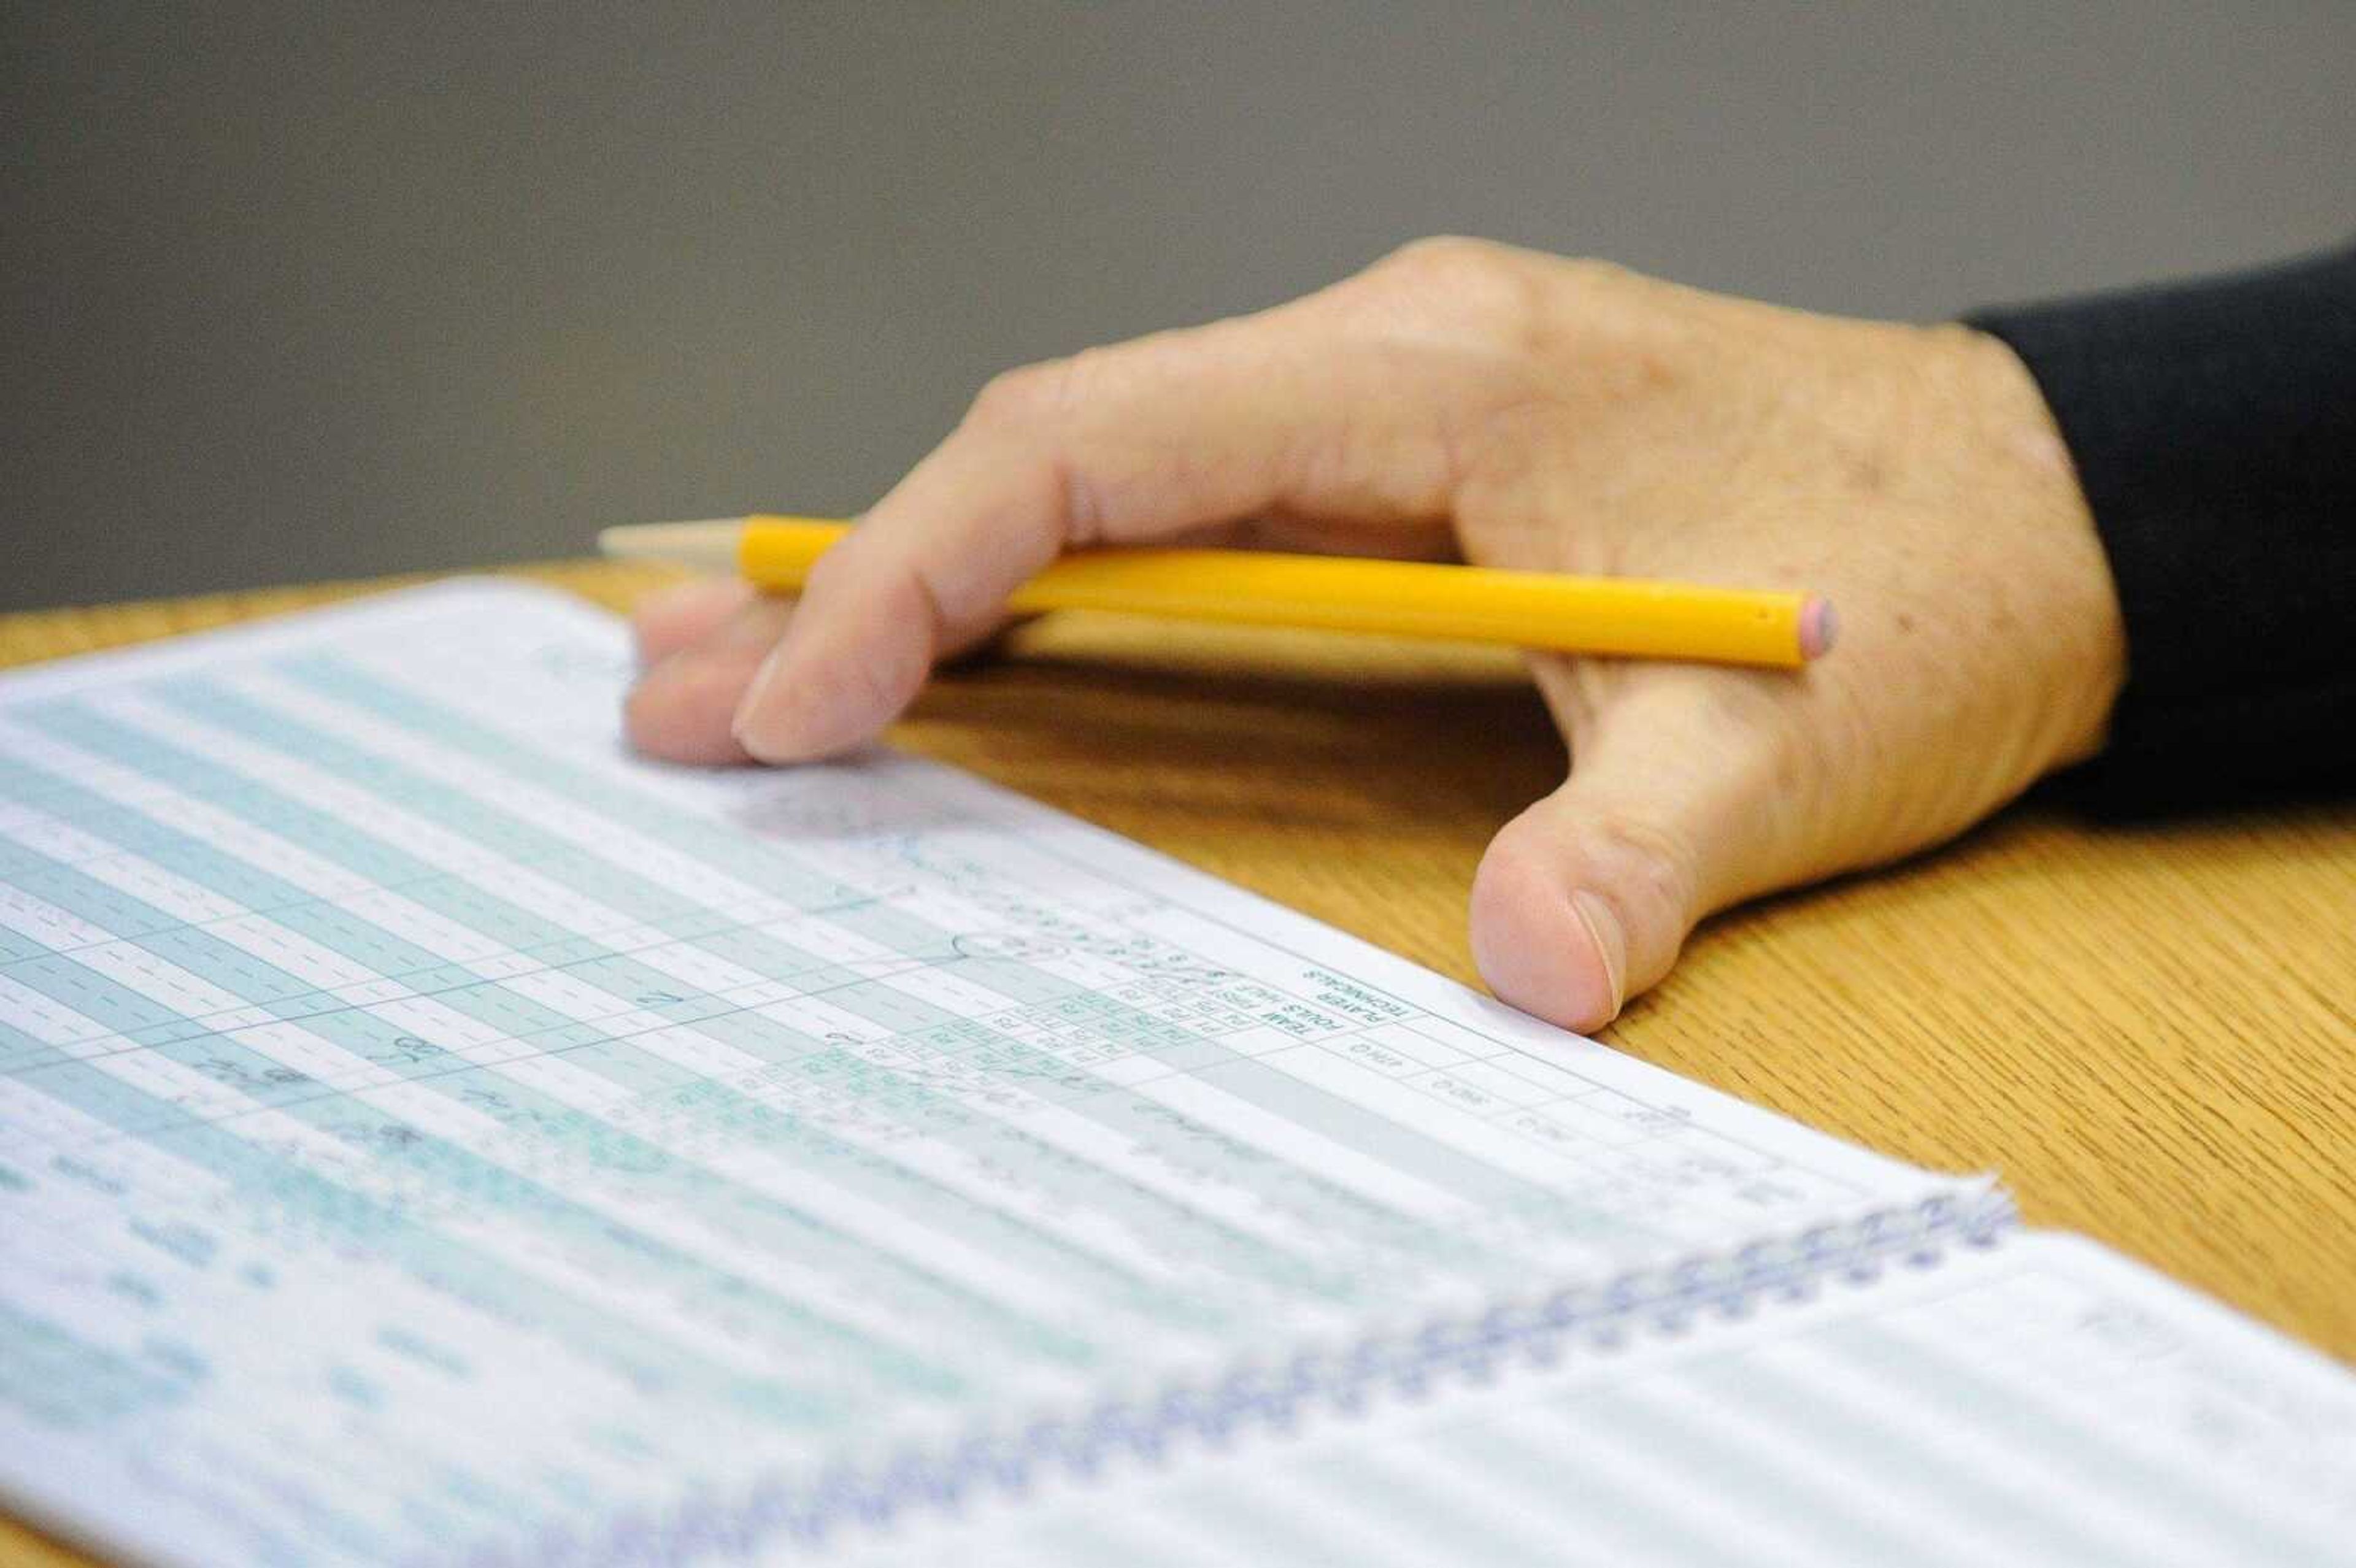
(1116, 446)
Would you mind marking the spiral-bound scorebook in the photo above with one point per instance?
(428, 1135)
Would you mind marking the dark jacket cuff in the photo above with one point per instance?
(2213, 427)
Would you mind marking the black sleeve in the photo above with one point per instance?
(2213, 426)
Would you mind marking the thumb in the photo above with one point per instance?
(1671, 811)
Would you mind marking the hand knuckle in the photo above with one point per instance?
(1446, 266)
(1592, 273)
(1023, 395)
(1445, 253)
(1489, 291)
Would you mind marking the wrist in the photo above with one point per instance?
(2082, 636)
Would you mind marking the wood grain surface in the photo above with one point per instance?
(2148, 1033)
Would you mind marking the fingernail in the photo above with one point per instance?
(765, 726)
(1610, 941)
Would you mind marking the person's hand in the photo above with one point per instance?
(1518, 409)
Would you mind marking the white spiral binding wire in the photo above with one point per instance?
(1600, 1319)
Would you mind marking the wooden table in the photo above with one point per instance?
(2150, 1033)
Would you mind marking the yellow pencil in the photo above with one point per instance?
(1623, 618)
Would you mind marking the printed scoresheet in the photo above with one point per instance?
(421, 1122)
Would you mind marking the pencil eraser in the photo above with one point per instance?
(1818, 628)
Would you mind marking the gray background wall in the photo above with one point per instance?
(309, 290)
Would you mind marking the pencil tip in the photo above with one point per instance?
(708, 544)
